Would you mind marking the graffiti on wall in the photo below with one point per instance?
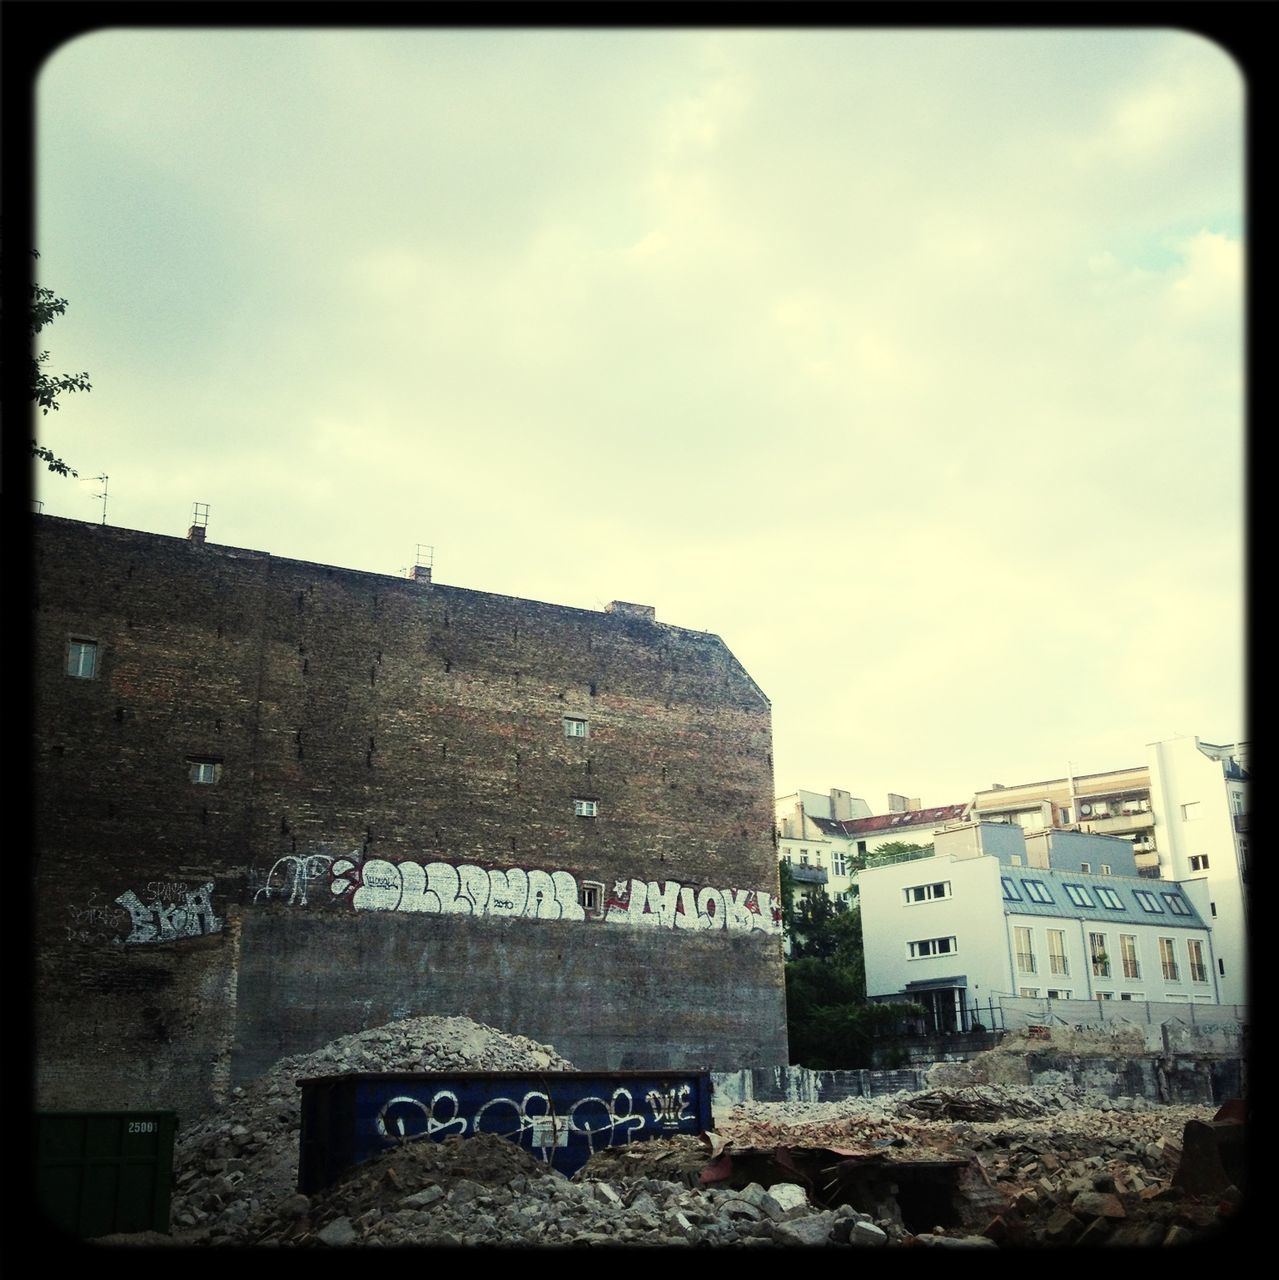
(90, 923)
(440, 888)
(294, 875)
(667, 904)
(162, 919)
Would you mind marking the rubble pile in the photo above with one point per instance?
(1031, 1166)
(234, 1168)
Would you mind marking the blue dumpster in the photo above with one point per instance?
(561, 1117)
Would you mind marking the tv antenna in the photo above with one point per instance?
(102, 495)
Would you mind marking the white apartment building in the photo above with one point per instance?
(1060, 916)
(1185, 813)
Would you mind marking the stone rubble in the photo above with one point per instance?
(1045, 1167)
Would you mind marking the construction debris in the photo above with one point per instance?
(966, 1165)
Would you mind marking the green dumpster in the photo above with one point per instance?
(99, 1172)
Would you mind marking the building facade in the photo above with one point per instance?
(1185, 814)
(1063, 915)
(279, 802)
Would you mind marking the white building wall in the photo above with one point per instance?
(972, 914)
(1192, 799)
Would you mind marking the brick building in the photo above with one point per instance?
(278, 802)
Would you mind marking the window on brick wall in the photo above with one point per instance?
(574, 728)
(204, 769)
(586, 808)
(591, 897)
(82, 659)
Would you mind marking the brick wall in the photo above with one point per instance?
(370, 736)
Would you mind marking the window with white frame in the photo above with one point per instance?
(1132, 995)
(1110, 899)
(1176, 904)
(1105, 995)
(1079, 895)
(1199, 862)
(1105, 868)
(931, 947)
(1085, 868)
(1168, 959)
(1028, 993)
(837, 864)
(205, 770)
(574, 727)
(1057, 962)
(1037, 891)
(1128, 955)
(1198, 969)
(1057, 993)
(82, 659)
(1148, 902)
(927, 892)
(1024, 946)
(586, 808)
(1098, 955)
(590, 897)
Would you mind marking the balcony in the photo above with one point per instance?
(1114, 824)
(808, 875)
(1147, 861)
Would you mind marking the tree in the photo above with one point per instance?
(46, 387)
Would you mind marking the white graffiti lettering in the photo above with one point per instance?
(296, 874)
(158, 921)
(669, 1106)
(440, 888)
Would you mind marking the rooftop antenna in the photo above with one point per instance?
(103, 496)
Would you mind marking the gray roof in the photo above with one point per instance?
(1125, 888)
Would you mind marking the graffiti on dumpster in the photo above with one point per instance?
(532, 1120)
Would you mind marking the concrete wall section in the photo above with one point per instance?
(607, 998)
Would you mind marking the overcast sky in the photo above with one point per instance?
(908, 362)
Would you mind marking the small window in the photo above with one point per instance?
(927, 892)
(205, 770)
(1079, 895)
(1132, 995)
(1056, 994)
(1029, 993)
(590, 897)
(1010, 889)
(1110, 899)
(1147, 902)
(1176, 904)
(861, 848)
(585, 808)
(1105, 868)
(931, 947)
(1085, 868)
(1199, 862)
(1037, 891)
(574, 728)
(1213, 907)
(82, 659)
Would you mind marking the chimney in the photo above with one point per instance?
(199, 523)
(421, 573)
(645, 611)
